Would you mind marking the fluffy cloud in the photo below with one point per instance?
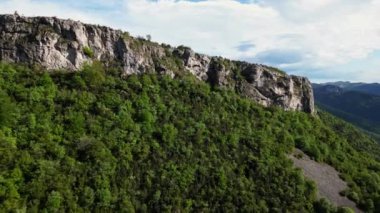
(47, 8)
(320, 39)
(328, 32)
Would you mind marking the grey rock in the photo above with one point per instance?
(59, 44)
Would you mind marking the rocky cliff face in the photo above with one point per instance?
(65, 44)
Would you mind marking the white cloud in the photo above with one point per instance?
(316, 35)
(218, 26)
(313, 5)
(214, 27)
(50, 8)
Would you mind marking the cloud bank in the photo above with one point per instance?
(324, 40)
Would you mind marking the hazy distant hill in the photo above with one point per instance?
(354, 102)
(373, 88)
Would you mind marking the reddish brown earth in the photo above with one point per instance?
(327, 179)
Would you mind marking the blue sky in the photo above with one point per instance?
(325, 40)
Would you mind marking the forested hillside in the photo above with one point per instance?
(359, 108)
(94, 141)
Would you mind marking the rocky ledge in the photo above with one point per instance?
(65, 44)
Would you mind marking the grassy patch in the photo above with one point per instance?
(88, 52)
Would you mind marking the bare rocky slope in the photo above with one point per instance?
(327, 179)
(65, 44)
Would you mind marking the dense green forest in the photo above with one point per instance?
(95, 141)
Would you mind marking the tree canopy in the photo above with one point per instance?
(95, 141)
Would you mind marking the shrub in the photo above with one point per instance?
(88, 52)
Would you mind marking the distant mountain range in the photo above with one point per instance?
(373, 88)
(358, 103)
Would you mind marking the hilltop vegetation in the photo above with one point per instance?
(93, 141)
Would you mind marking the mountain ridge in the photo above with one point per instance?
(371, 88)
(65, 44)
(351, 103)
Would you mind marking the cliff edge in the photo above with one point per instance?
(65, 44)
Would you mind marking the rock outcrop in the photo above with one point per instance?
(65, 44)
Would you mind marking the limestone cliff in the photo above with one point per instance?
(65, 44)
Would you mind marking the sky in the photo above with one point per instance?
(324, 40)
